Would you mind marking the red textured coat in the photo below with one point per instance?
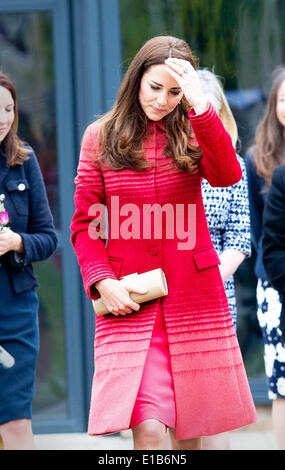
(210, 384)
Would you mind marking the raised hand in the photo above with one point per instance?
(188, 79)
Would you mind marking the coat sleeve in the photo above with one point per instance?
(219, 164)
(40, 240)
(89, 245)
(274, 232)
(256, 204)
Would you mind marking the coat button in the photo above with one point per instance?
(153, 251)
(21, 187)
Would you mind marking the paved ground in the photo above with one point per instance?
(243, 440)
(258, 436)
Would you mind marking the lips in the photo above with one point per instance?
(158, 110)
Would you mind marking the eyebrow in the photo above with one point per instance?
(173, 88)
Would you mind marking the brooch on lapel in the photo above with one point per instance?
(4, 218)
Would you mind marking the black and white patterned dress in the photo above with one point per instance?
(227, 212)
(268, 314)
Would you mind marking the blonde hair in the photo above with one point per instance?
(213, 89)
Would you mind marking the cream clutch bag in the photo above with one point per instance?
(154, 281)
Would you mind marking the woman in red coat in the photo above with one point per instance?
(173, 362)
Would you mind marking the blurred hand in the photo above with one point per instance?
(10, 240)
(230, 261)
(116, 295)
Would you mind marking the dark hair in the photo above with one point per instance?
(269, 149)
(123, 128)
(12, 144)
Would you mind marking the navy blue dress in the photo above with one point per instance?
(30, 216)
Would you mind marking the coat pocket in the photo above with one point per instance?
(206, 258)
(116, 265)
(19, 193)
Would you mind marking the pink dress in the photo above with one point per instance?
(155, 399)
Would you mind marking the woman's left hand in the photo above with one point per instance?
(10, 240)
(188, 79)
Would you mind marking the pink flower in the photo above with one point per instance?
(4, 218)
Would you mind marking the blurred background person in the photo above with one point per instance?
(227, 212)
(267, 154)
(274, 263)
(27, 235)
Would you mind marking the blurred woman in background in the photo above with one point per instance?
(267, 154)
(27, 235)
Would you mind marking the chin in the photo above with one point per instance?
(155, 116)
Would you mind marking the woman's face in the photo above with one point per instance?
(159, 93)
(6, 112)
(280, 104)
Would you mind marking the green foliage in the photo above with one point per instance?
(209, 27)
(212, 28)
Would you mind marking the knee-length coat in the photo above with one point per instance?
(210, 384)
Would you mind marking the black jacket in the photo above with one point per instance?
(30, 216)
(274, 236)
(257, 200)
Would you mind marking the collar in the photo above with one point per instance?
(160, 124)
(3, 156)
(3, 165)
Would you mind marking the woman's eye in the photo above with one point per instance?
(156, 88)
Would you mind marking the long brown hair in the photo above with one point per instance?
(123, 128)
(13, 146)
(269, 149)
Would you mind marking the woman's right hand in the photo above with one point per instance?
(116, 295)
(189, 81)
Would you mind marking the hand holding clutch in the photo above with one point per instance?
(154, 281)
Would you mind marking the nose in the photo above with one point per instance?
(3, 117)
(162, 98)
